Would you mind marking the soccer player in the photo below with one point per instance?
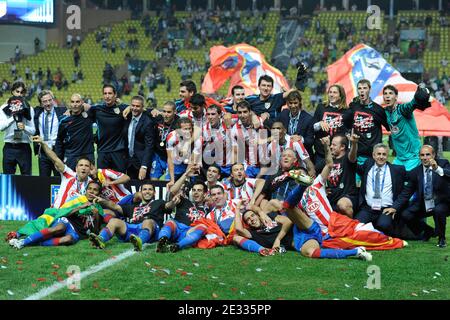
(182, 149)
(404, 133)
(238, 186)
(285, 141)
(341, 182)
(112, 143)
(178, 233)
(197, 110)
(72, 183)
(75, 136)
(333, 118)
(69, 228)
(224, 210)
(165, 123)
(137, 223)
(245, 140)
(112, 182)
(238, 94)
(297, 232)
(212, 179)
(368, 117)
(187, 90)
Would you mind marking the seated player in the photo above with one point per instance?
(179, 233)
(138, 223)
(69, 224)
(297, 232)
(113, 183)
(238, 186)
(339, 231)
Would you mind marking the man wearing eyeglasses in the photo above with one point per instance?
(16, 120)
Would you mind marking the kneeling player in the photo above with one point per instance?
(141, 223)
(69, 224)
(297, 232)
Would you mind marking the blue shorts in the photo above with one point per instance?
(180, 231)
(135, 229)
(252, 171)
(70, 230)
(159, 167)
(302, 236)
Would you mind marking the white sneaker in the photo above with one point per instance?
(19, 244)
(12, 242)
(363, 254)
(405, 244)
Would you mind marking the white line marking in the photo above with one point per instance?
(91, 270)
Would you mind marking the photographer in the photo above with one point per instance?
(16, 119)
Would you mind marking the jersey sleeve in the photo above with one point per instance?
(171, 140)
(301, 150)
(113, 175)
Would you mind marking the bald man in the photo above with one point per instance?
(430, 181)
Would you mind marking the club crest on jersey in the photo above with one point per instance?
(267, 105)
(116, 110)
(84, 114)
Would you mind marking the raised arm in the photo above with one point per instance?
(59, 164)
(328, 159)
(353, 154)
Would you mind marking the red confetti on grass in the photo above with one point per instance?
(55, 266)
(95, 285)
(210, 267)
(187, 288)
(20, 268)
(41, 279)
(19, 262)
(60, 279)
(55, 273)
(33, 285)
(322, 291)
(113, 257)
(280, 298)
(234, 289)
(263, 283)
(183, 273)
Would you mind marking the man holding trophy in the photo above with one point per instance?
(16, 120)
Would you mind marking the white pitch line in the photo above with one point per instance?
(91, 270)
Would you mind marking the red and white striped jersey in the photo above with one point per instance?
(115, 193)
(182, 149)
(70, 187)
(244, 191)
(199, 122)
(217, 140)
(315, 203)
(249, 137)
(297, 146)
(224, 217)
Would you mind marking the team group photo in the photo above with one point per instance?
(224, 150)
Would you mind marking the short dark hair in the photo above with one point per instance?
(84, 158)
(391, 87)
(265, 78)
(237, 163)
(236, 87)
(146, 183)
(139, 98)
(344, 139)
(364, 81)
(217, 186)
(216, 107)
(244, 104)
(109, 86)
(200, 182)
(198, 100)
(190, 85)
(170, 103)
(17, 85)
(184, 120)
(96, 181)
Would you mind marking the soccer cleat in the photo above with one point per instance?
(363, 254)
(173, 247)
(442, 243)
(300, 177)
(137, 242)
(11, 235)
(13, 242)
(267, 252)
(96, 241)
(162, 245)
(405, 243)
(279, 250)
(19, 244)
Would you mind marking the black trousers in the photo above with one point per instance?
(71, 161)
(414, 218)
(46, 166)
(17, 154)
(379, 220)
(117, 160)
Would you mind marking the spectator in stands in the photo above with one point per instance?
(69, 39)
(47, 117)
(16, 120)
(37, 45)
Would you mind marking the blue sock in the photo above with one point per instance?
(334, 253)
(250, 245)
(192, 238)
(105, 234)
(294, 197)
(37, 237)
(165, 231)
(51, 242)
(145, 235)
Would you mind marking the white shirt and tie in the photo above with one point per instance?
(382, 185)
(48, 127)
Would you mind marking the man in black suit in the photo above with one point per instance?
(141, 139)
(299, 123)
(46, 121)
(381, 195)
(430, 182)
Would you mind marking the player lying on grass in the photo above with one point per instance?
(344, 232)
(138, 223)
(68, 225)
(297, 232)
